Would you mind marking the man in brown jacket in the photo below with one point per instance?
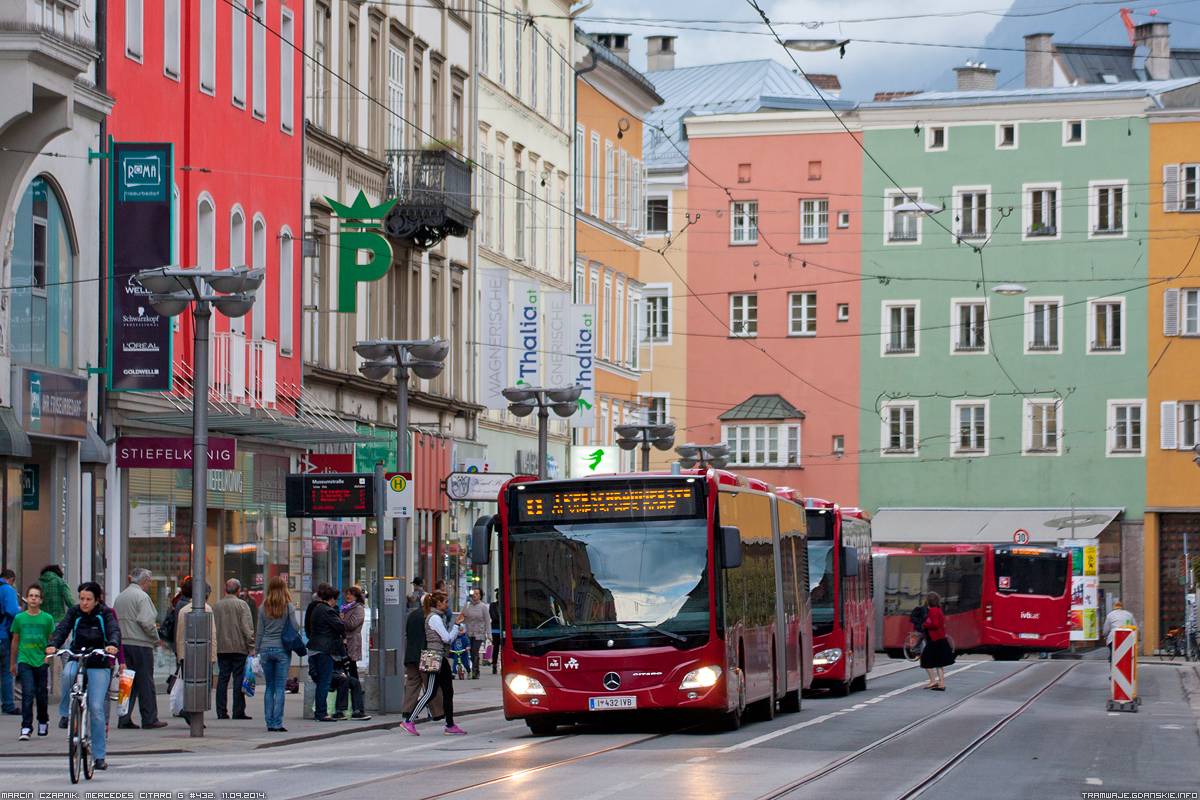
(235, 640)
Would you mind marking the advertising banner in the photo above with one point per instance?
(557, 339)
(527, 300)
(583, 371)
(142, 236)
(595, 460)
(468, 486)
(1085, 590)
(50, 404)
(495, 329)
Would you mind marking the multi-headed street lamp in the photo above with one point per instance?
(661, 436)
(172, 290)
(706, 455)
(524, 400)
(426, 358)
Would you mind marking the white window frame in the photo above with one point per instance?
(1113, 432)
(646, 397)
(886, 329)
(500, 50)
(208, 47)
(258, 259)
(1094, 188)
(237, 52)
(134, 24)
(956, 304)
(745, 211)
(959, 212)
(1189, 188)
(885, 429)
(1092, 304)
(956, 448)
(740, 301)
(610, 182)
(930, 147)
(653, 296)
(1027, 191)
(483, 14)
(1189, 297)
(646, 214)
(1028, 404)
(843, 219)
(752, 433)
(1066, 133)
(1031, 325)
(580, 163)
(258, 59)
(843, 307)
(287, 71)
(1016, 142)
(804, 324)
(889, 218)
(287, 284)
(1187, 439)
(171, 38)
(817, 231)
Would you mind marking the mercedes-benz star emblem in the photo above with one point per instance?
(612, 681)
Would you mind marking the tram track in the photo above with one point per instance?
(946, 766)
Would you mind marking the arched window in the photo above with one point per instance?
(259, 321)
(43, 275)
(206, 234)
(286, 287)
(237, 256)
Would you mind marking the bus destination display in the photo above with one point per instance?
(594, 505)
(331, 495)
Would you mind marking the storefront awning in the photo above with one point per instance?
(93, 450)
(987, 525)
(279, 428)
(13, 439)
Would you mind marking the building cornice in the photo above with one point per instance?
(781, 123)
(875, 117)
(607, 227)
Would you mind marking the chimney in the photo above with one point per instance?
(976, 77)
(660, 53)
(1154, 36)
(616, 43)
(1039, 61)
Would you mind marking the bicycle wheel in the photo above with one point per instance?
(75, 739)
(913, 645)
(89, 763)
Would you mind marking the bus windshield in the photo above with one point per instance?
(820, 572)
(1022, 573)
(640, 584)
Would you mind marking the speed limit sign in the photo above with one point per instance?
(1021, 537)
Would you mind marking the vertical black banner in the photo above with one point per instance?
(141, 238)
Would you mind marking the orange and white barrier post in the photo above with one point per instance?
(1124, 671)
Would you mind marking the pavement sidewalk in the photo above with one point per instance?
(470, 697)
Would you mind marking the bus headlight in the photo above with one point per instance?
(523, 686)
(825, 657)
(701, 678)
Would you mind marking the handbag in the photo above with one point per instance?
(291, 639)
(431, 661)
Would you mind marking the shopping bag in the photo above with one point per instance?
(248, 681)
(256, 667)
(177, 697)
(123, 692)
(487, 656)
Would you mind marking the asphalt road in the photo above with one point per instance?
(1031, 729)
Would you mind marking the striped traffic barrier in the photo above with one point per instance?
(1124, 671)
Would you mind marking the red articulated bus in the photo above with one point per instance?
(641, 592)
(1003, 600)
(843, 604)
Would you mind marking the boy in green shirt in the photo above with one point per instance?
(31, 631)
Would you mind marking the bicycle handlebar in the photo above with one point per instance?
(74, 656)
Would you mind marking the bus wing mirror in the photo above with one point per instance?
(481, 540)
(731, 544)
(849, 561)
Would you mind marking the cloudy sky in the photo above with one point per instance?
(942, 34)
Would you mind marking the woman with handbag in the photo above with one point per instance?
(434, 664)
(274, 623)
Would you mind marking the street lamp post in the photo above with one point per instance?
(172, 290)
(706, 455)
(661, 436)
(425, 357)
(522, 400)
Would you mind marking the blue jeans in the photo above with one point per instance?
(97, 690)
(275, 664)
(320, 669)
(34, 681)
(6, 677)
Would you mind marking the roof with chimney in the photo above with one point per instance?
(734, 88)
(1086, 63)
(1092, 91)
(881, 96)
(829, 83)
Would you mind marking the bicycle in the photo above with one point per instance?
(914, 645)
(79, 728)
(1172, 644)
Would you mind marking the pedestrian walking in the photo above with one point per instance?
(273, 617)
(414, 598)
(414, 682)
(494, 614)
(1117, 618)
(937, 654)
(138, 619)
(434, 665)
(353, 615)
(9, 608)
(91, 625)
(181, 638)
(31, 631)
(479, 623)
(57, 597)
(235, 641)
(324, 645)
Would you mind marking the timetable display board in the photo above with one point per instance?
(603, 502)
(345, 494)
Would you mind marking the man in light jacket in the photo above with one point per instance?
(1117, 618)
(235, 640)
(479, 624)
(138, 619)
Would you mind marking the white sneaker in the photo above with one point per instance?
(25, 734)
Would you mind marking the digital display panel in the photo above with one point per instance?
(336, 495)
(598, 503)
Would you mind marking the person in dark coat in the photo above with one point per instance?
(325, 644)
(494, 613)
(937, 654)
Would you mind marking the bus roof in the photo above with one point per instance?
(722, 478)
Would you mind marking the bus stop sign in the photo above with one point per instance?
(1021, 537)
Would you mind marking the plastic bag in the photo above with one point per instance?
(256, 667)
(177, 697)
(123, 692)
(248, 681)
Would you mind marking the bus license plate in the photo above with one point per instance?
(1030, 636)
(610, 703)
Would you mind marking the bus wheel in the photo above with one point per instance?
(859, 684)
(764, 710)
(839, 689)
(539, 726)
(790, 702)
(894, 652)
(732, 720)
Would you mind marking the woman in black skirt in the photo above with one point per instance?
(937, 653)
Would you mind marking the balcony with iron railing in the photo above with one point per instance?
(433, 192)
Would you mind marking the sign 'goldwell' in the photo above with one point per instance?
(494, 358)
(583, 346)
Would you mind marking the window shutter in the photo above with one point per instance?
(1171, 312)
(1170, 187)
(1168, 425)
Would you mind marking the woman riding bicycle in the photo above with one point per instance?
(91, 626)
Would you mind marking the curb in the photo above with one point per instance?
(382, 726)
(58, 753)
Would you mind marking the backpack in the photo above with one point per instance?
(166, 630)
(917, 616)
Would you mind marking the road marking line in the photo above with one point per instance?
(826, 717)
(697, 759)
(1094, 782)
